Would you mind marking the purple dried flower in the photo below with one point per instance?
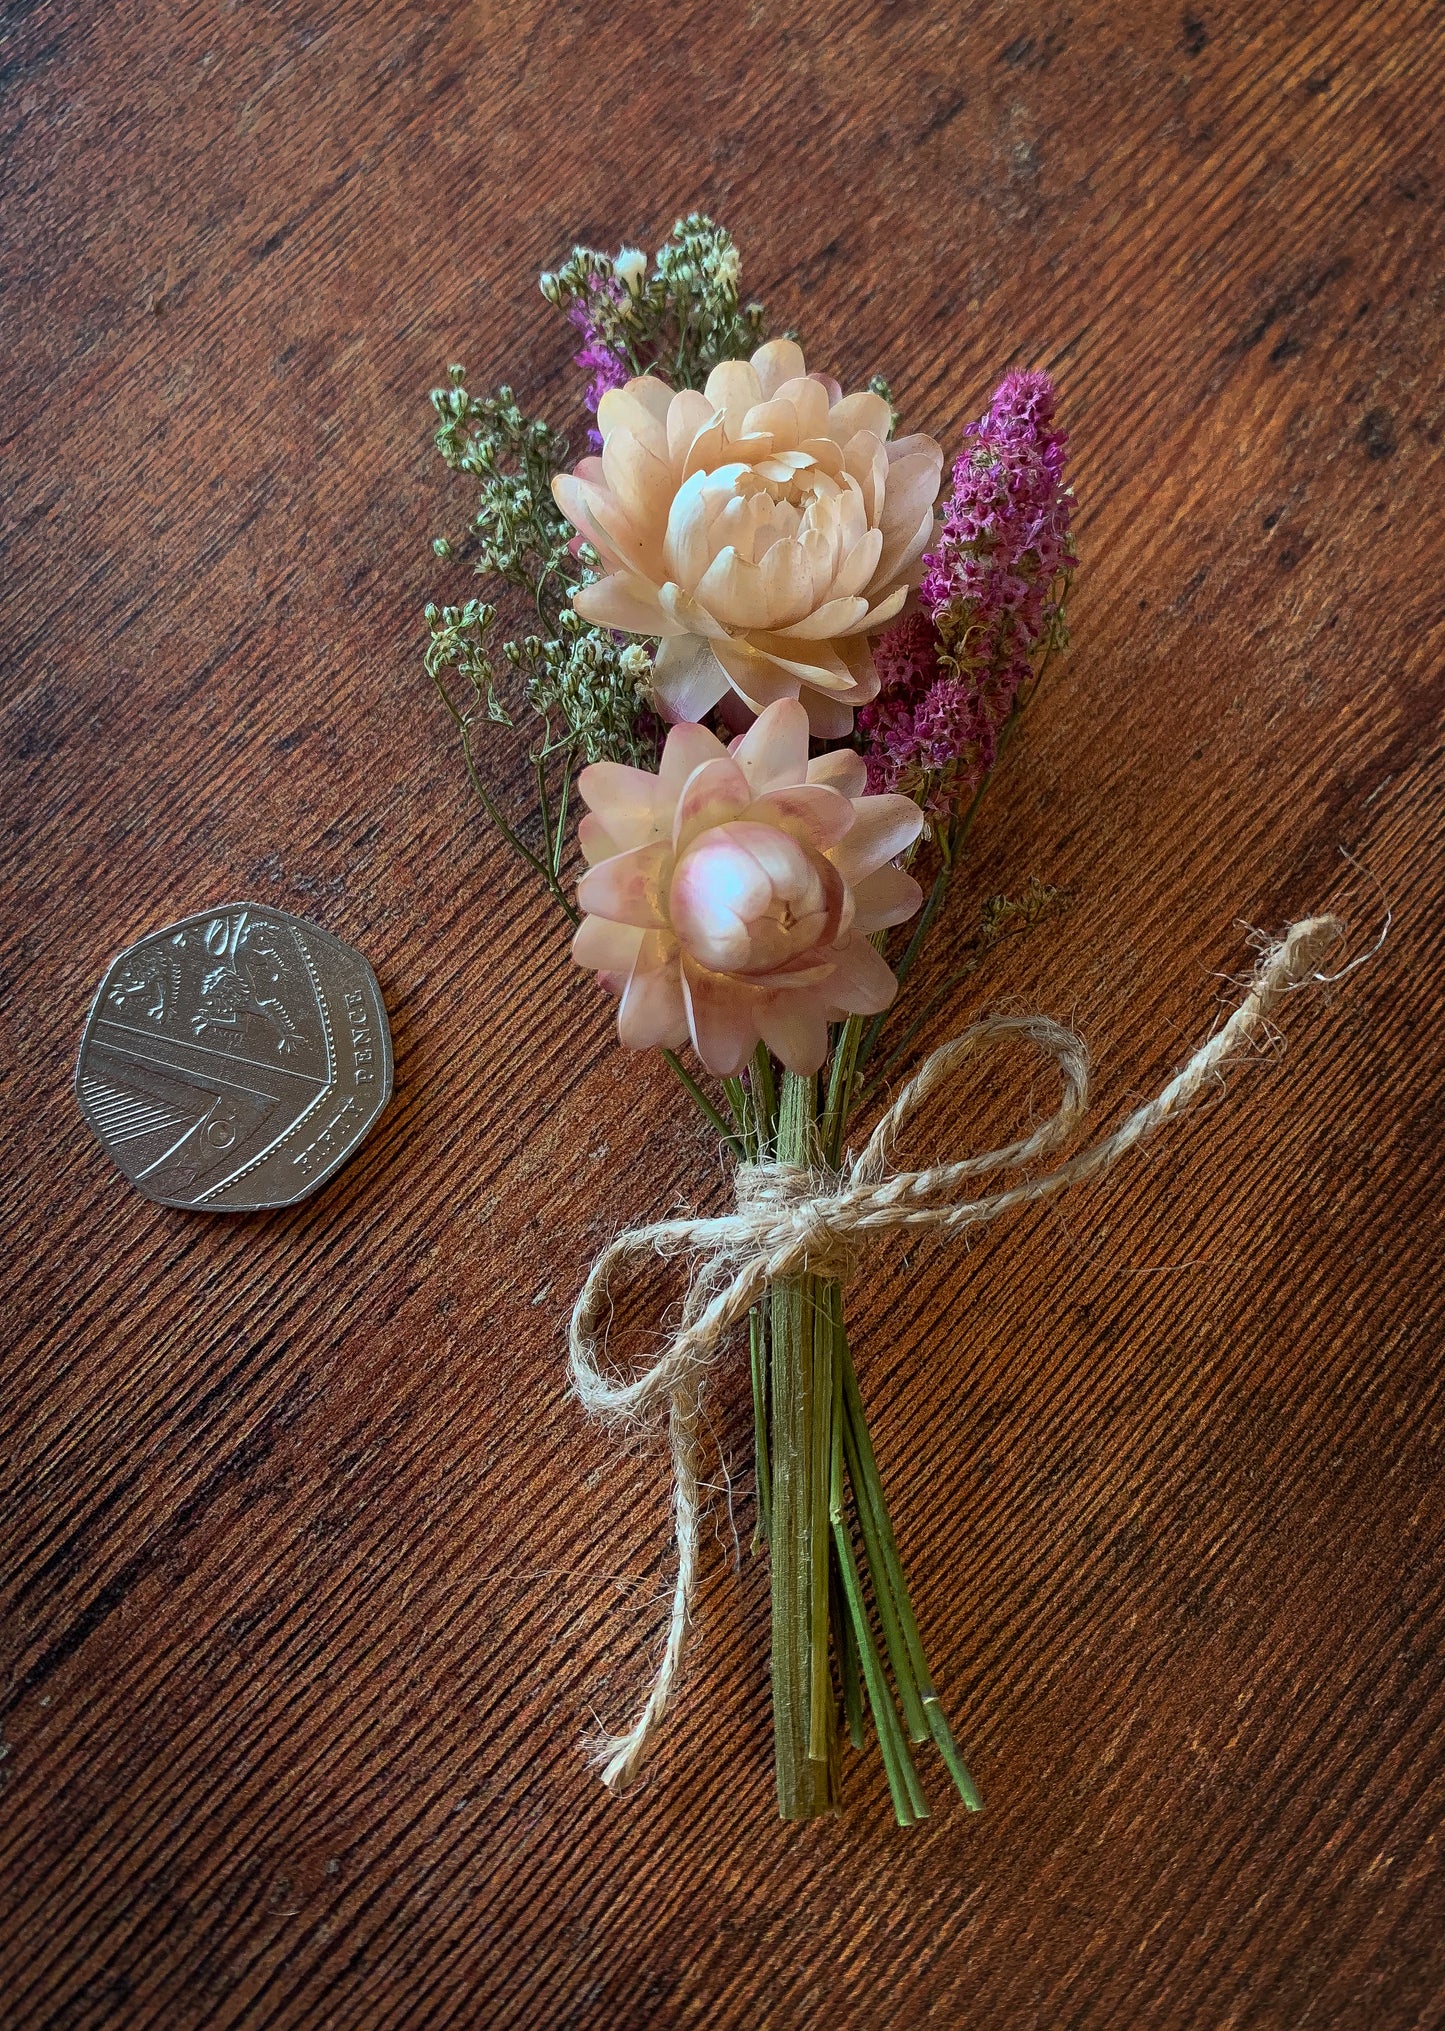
(1005, 535)
(948, 676)
(923, 723)
(906, 659)
(954, 726)
(604, 361)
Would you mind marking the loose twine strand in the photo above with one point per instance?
(792, 1221)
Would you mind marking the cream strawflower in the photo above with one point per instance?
(763, 528)
(731, 896)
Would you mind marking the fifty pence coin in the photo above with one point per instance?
(235, 1060)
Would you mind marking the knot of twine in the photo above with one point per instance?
(789, 1220)
(793, 1207)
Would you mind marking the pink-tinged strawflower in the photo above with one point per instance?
(731, 896)
(762, 528)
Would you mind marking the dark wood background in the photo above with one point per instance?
(313, 1575)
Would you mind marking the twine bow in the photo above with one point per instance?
(790, 1221)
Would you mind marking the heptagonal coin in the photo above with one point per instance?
(235, 1060)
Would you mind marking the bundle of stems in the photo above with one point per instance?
(820, 1498)
(845, 1637)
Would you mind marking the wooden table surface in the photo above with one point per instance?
(313, 1575)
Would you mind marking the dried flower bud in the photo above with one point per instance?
(630, 268)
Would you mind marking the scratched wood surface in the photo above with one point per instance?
(313, 1577)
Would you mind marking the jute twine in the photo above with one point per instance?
(790, 1221)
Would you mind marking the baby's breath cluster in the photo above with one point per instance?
(457, 647)
(677, 318)
(518, 532)
(590, 690)
(584, 679)
(587, 688)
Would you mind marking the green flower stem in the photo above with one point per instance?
(802, 1782)
(887, 1571)
(756, 1129)
(921, 929)
(856, 1640)
(701, 1101)
(905, 965)
(948, 1749)
(737, 1100)
(884, 1589)
(765, 1098)
(822, 1701)
(839, 1103)
(898, 1766)
(750, 1126)
(806, 1785)
(539, 770)
(559, 836)
(489, 803)
(849, 1663)
(758, 1352)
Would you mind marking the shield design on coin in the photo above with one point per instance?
(234, 1060)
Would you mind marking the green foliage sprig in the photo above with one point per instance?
(519, 533)
(587, 690)
(680, 320)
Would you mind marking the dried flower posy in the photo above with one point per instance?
(780, 681)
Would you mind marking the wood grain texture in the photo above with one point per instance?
(312, 1575)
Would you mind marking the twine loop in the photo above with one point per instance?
(790, 1220)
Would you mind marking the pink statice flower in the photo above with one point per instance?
(949, 674)
(953, 728)
(928, 729)
(1005, 534)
